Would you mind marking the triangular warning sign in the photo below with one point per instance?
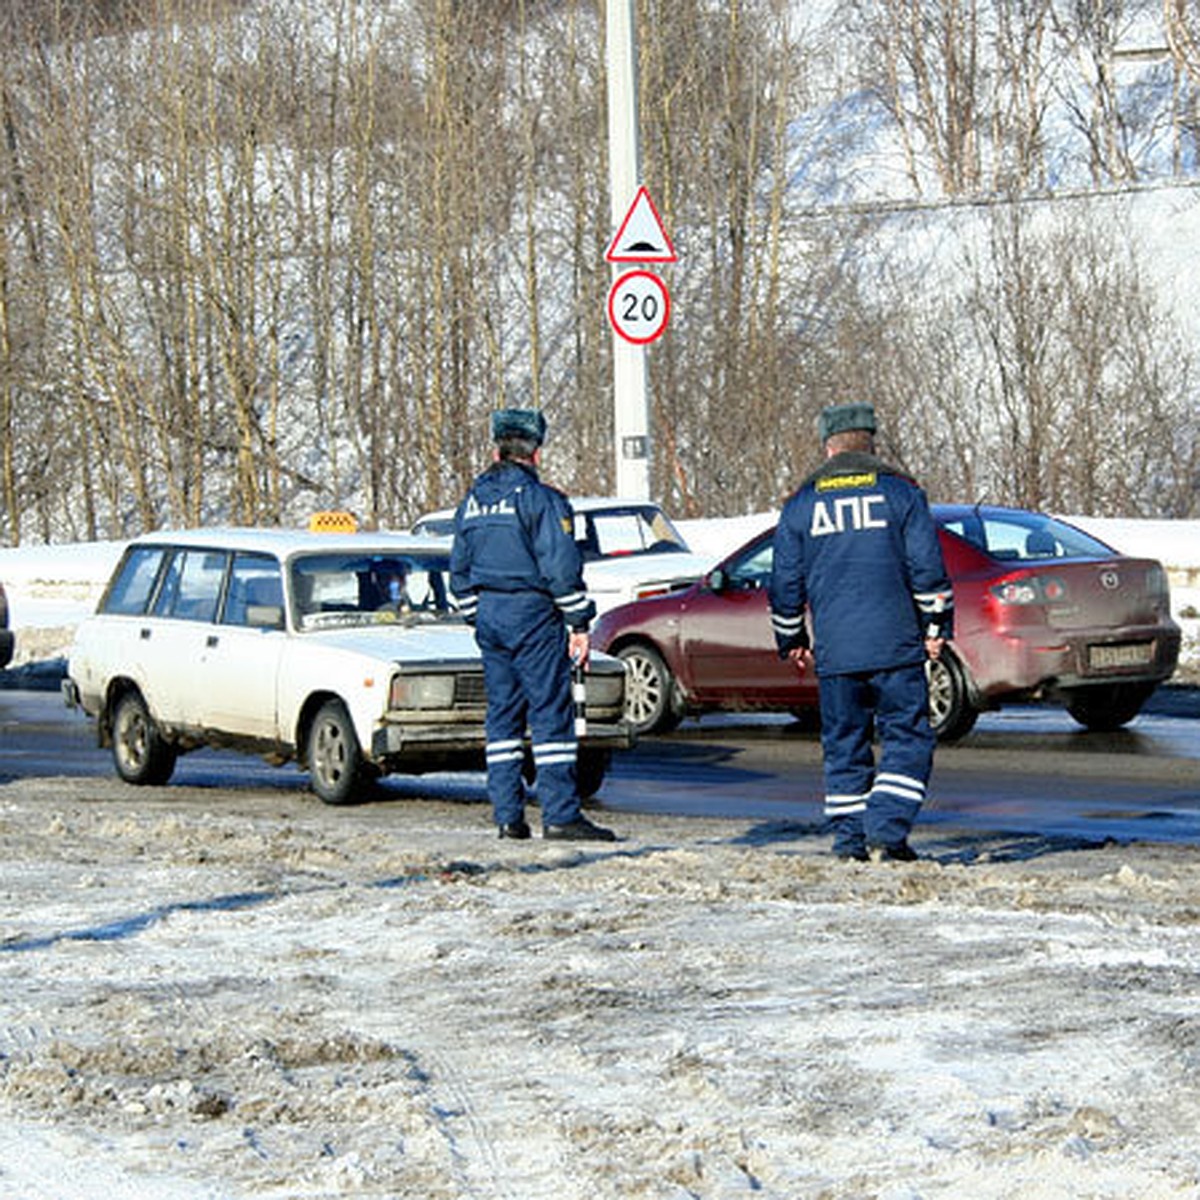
(641, 237)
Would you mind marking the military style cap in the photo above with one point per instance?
(841, 418)
(527, 423)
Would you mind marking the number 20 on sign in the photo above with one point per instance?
(639, 306)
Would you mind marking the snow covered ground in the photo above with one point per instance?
(218, 994)
(212, 993)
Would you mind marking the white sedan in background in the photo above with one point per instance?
(341, 651)
(630, 548)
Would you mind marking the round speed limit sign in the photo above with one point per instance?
(638, 306)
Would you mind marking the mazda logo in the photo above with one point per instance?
(1110, 580)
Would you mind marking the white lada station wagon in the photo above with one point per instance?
(340, 651)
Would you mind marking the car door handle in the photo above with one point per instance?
(145, 634)
(212, 640)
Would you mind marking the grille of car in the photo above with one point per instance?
(469, 690)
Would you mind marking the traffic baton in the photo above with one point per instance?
(579, 698)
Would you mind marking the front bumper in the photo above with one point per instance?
(415, 747)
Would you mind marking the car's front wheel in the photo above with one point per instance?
(140, 752)
(335, 760)
(649, 690)
(1107, 706)
(951, 711)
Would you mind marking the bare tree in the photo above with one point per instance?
(1181, 22)
(260, 257)
(925, 60)
(1090, 36)
(1060, 382)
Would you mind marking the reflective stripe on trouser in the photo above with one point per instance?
(865, 805)
(528, 679)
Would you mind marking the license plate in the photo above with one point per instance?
(1131, 654)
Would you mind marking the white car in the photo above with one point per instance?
(630, 549)
(341, 651)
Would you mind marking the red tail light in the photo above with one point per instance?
(1030, 589)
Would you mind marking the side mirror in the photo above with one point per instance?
(718, 580)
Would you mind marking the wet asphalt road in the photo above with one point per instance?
(1025, 771)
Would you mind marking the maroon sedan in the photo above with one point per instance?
(1042, 611)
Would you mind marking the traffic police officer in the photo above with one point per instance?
(857, 545)
(518, 576)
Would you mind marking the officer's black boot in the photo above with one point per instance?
(578, 830)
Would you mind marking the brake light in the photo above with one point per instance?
(1157, 585)
(1030, 589)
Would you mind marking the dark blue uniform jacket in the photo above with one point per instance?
(513, 533)
(857, 545)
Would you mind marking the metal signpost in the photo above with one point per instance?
(636, 307)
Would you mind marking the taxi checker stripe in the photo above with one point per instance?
(900, 785)
(836, 806)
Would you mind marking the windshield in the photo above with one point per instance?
(373, 588)
(629, 529)
(1021, 536)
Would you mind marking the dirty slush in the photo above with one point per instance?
(244, 994)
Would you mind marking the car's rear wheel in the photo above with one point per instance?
(649, 690)
(336, 767)
(1107, 706)
(951, 711)
(140, 752)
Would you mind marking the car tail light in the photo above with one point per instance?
(1030, 589)
(1157, 586)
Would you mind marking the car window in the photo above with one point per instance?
(192, 585)
(436, 525)
(373, 588)
(255, 594)
(604, 533)
(1021, 536)
(131, 586)
(753, 568)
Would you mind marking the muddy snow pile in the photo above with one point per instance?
(224, 994)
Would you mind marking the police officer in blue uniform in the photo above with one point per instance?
(856, 545)
(518, 576)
